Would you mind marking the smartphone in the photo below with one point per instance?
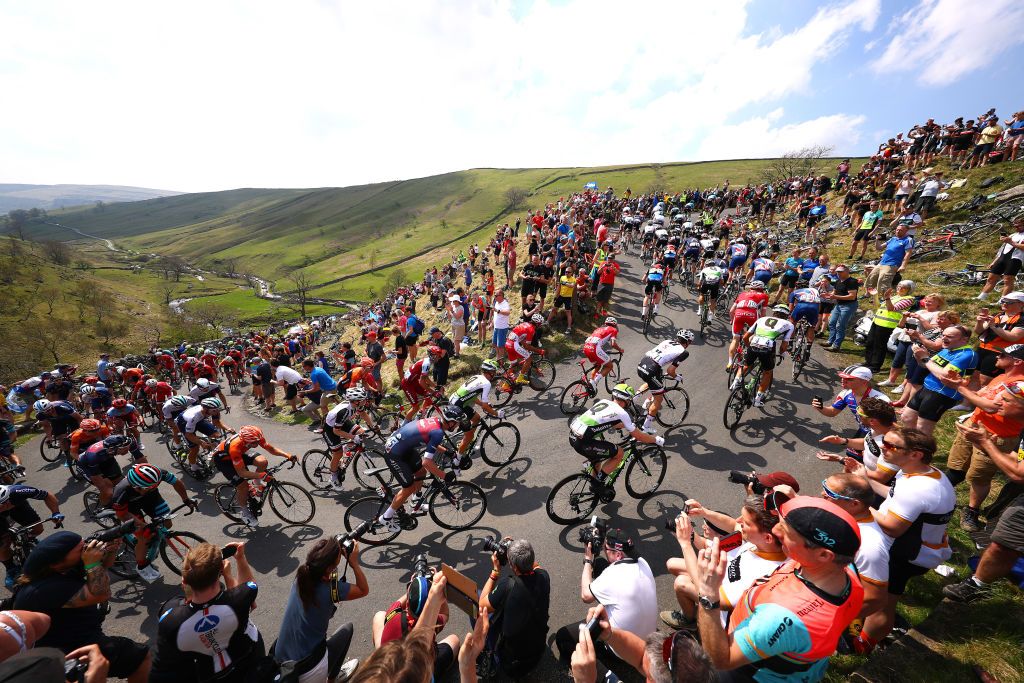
(228, 551)
(594, 627)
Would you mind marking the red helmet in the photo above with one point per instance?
(435, 350)
(250, 435)
(120, 403)
(92, 379)
(89, 424)
(366, 362)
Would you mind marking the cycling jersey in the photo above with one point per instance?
(763, 268)
(190, 418)
(169, 410)
(601, 337)
(100, 461)
(749, 303)
(81, 439)
(656, 273)
(523, 332)
(668, 352)
(417, 370)
(409, 439)
(737, 250)
(805, 296)
(127, 414)
(341, 416)
(846, 398)
(603, 417)
(128, 500)
(131, 376)
(708, 244)
(670, 253)
(160, 393)
(712, 273)
(768, 331)
(198, 393)
(926, 500)
(476, 389)
(209, 359)
(233, 451)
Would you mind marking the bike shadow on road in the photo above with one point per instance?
(463, 549)
(132, 597)
(276, 548)
(507, 492)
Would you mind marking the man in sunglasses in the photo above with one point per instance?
(856, 383)
(864, 454)
(920, 504)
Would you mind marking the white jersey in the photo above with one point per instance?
(661, 234)
(668, 352)
(746, 565)
(927, 501)
(601, 418)
(708, 244)
(198, 393)
(807, 295)
(649, 229)
(339, 414)
(170, 410)
(476, 389)
(192, 417)
(770, 330)
(711, 274)
(872, 560)
(874, 457)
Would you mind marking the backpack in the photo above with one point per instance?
(417, 325)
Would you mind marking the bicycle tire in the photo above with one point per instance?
(50, 449)
(647, 322)
(675, 407)
(77, 473)
(581, 495)
(369, 509)
(465, 500)
(145, 418)
(939, 278)
(499, 445)
(503, 390)
(933, 255)
(735, 406)
(575, 397)
(316, 468)
(798, 362)
(612, 378)
(124, 564)
(389, 422)
(650, 464)
(542, 374)
(176, 546)
(91, 507)
(287, 497)
(225, 496)
(371, 459)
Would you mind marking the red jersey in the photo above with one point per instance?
(161, 392)
(749, 303)
(228, 362)
(523, 332)
(602, 336)
(131, 376)
(203, 370)
(606, 276)
(165, 361)
(209, 359)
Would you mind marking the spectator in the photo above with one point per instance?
(502, 311)
(311, 604)
(883, 325)
(908, 217)
(606, 285)
(288, 378)
(375, 352)
(1015, 135)
(530, 307)
(441, 365)
(864, 456)
(530, 276)
(401, 351)
(320, 393)
(894, 259)
(547, 276)
(956, 360)
(996, 333)
(421, 612)
(925, 317)
(866, 231)
(856, 386)
(481, 304)
(413, 328)
(457, 313)
(23, 629)
(1009, 261)
(903, 189)
(66, 579)
(986, 141)
(927, 336)
(929, 191)
(844, 298)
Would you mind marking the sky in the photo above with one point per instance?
(201, 96)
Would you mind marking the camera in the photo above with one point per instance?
(348, 539)
(420, 566)
(670, 523)
(594, 533)
(499, 546)
(746, 478)
(119, 531)
(74, 670)
(912, 324)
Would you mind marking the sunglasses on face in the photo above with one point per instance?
(832, 495)
(890, 446)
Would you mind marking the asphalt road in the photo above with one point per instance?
(780, 436)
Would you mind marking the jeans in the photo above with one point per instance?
(839, 321)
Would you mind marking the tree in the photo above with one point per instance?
(516, 197)
(16, 221)
(175, 265)
(231, 265)
(302, 284)
(395, 280)
(800, 163)
(57, 251)
(51, 335)
(13, 247)
(50, 295)
(167, 290)
(212, 313)
(111, 328)
(100, 206)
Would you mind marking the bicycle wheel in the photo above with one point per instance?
(542, 374)
(49, 449)
(938, 278)
(389, 422)
(369, 509)
(645, 471)
(291, 502)
(76, 472)
(575, 397)
(316, 466)
(735, 407)
(176, 547)
(371, 460)
(933, 255)
(124, 564)
(798, 360)
(458, 505)
(503, 391)
(225, 495)
(500, 444)
(647, 322)
(675, 406)
(612, 378)
(573, 499)
(91, 501)
(145, 418)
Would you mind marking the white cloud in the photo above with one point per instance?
(761, 137)
(200, 95)
(942, 40)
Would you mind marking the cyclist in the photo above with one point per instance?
(157, 392)
(709, 282)
(130, 377)
(229, 366)
(204, 418)
(805, 304)
(762, 268)
(205, 388)
(586, 431)
(475, 392)
(208, 358)
(409, 453)
(669, 257)
(708, 244)
(232, 459)
(99, 462)
(59, 419)
(594, 348)
(341, 426)
(762, 338)
(89, 432)
(745, 311)
(170, 410)
(691, 250)
(737, 253)
(136, 496)
(8, 432)
(123, 417)
(14, 507)
(654, 282)
(361, 374)
(204, 371)
(417, 383)
(521, 344)
(165, 363)
(662, 360)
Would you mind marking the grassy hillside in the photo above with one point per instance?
(18, 196)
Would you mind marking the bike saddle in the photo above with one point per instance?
(974, 266)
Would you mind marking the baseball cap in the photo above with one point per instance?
(371, 335)
(1015, 350)
(616, 539)
(773, 479)
(822, 523)
(856, 372)
(434, 329)
(1013, 296)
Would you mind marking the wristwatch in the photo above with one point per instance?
(707, 603)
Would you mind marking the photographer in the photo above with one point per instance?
(311, 604)
(621, 581)
(519, 604)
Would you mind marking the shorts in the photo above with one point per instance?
(925, 203)
(764, 276)
(710, 290)
(670, 264)
(861, 235)
(652, 373)
(1005, 265)
(291, 391)
(740, 323)
(404, 468)
(108, 468)
(691, 254)
(444, 657)
(411, 338)
(708, 253)
(1009, 531)
(124, 654)
(789, 280)
(314, 396)
(808, 312)
(604, 292)
(62, 427)
(900, 572)
(593, 449)
(413, 391)
(500, 336)
(736, 261)
(227, 468)
(987, 362)
(978, 466)
(930, 405)
(563, 302)
(766, 357)
(22, 514)
(595, 354)
(982, 150)
(653, 287)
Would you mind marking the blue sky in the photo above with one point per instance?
(241, 93)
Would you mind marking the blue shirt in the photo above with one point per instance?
(792, 265)
(323, 379)
(964, 359)
(807, 269)
(103, 370)
(896, 250)
(304, 628)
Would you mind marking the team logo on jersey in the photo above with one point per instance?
(208, 622)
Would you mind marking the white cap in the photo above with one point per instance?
(856, 372)
(1013, 296)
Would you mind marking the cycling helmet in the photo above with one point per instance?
(250, 435)
(120, 403)
(143, 476)
(416, 593)
(489, 366)
(203, 383)
(537, 319)
(87, 390)
(719, 254)
(623, 392)
(92, 379)
(368, 362)
(356, 394)
(611, 321)
(5, 494)
(685, 336)
(434, 350)
(212, 404)
(781, 309)
(89, 425)
(100, 385)
(208, 352)
(41, 405)
(115, 441)
(756, 284)
(453, 413)
(180, 401)
(151, 383)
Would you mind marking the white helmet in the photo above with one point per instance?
(356, 394)
(151, 383)
(41, 405)
(119, 369)
(203, 383)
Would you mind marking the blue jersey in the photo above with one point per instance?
(412, 438)
(963, 359)
(793, 264)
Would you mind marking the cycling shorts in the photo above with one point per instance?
(515, 351)
(670, 263)
(652, 374)
(763, 276)
(736, 261)
(405, 467)
(808, 312)
(710, 289)
(766, 357)
(63, 426)
(204, 427)
(413, 390)
(595, 353)
(742, 320)
(653, 286)
(691, 254)
(107, 467)
(593, 449)
(227, 468)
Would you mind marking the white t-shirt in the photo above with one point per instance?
(874, 457)
(911, 496)
(287, 374)
(930, 188)
(502, 309)
(872, 560)
(746, 565)
(1018, 254)
(627, 591)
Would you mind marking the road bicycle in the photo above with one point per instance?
(452, 505)
(971, 275)
(704, 318)
(675, 404)
(172, 545)
(290, 502)
(204, 459)
(54, 448)
(497, 441)
(541, 377)
(741, 397)
(574, 498)
(575, 397)
(316, 464)
(23, 542)
(801, 349)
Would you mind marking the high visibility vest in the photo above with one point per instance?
(886, 318)
(989, 340)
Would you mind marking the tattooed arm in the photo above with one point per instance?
(97, 581)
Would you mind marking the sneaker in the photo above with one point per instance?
(249, 518)
(885, 383)
(969, 520)
(336, 485)
(346, 670)
(677, 620)
(898, 390)
(759, 400)
(389, 526)
(965, 591)
(149, 573)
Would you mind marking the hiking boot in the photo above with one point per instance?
(969, 520)
(677, 620)
(965, 591)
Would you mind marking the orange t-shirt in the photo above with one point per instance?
(994, 422)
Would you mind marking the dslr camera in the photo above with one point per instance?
(746, 478)
(499, 546)
(348, 539)
(421, 567)
(594, 533)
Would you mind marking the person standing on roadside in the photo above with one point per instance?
(502, 310)
(844, 298)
